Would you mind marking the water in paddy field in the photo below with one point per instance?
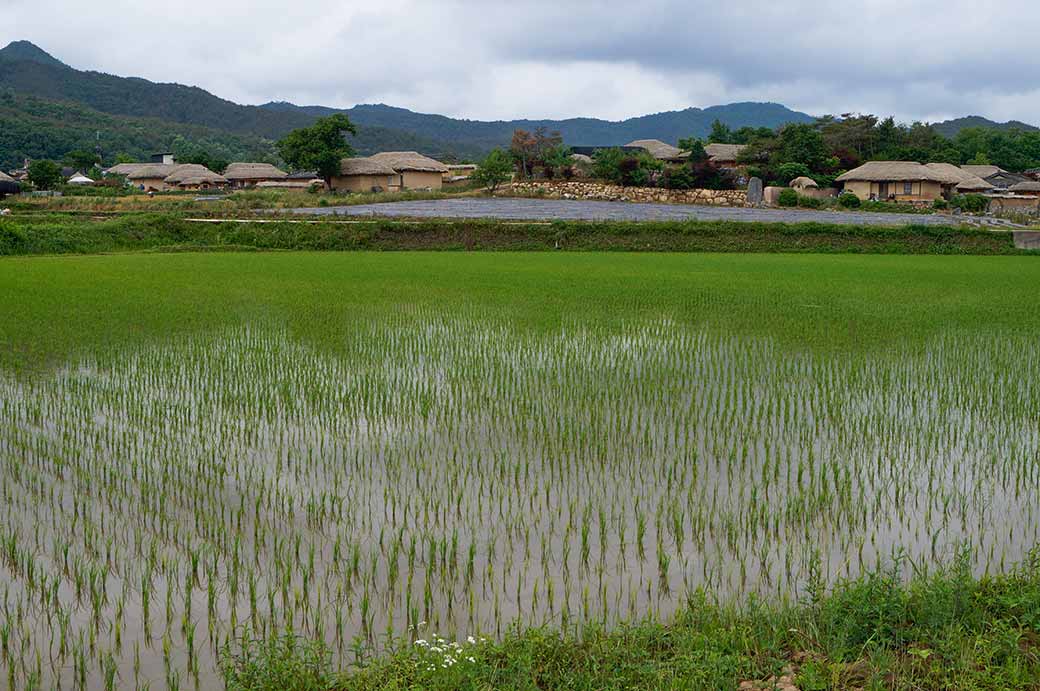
(161, 501)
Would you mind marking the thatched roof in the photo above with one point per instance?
(409, 160)
(962, 179)
(803, 182)
(152, 171)
(659, 150)
(982, 171)
(893, 171)
(1027, 186)
(724, 152)
(581, 158)
(4, 177)
(183, 172)
(365, 166)
(203, 179)
(254, 171)
(126, 168)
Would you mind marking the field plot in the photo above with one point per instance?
(351, 447)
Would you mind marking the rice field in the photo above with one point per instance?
(362, 448)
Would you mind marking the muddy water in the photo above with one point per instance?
(469, 477)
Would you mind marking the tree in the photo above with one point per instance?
(802, 143)
(320, 147)
(530, 149)
(720, 133)
(494, 170)
(81, 160)
(695, 148)
(44, 175)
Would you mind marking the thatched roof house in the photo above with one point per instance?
(193, 176)
(247, 174)
(1029, 187)
(125, 168)
(982, 171)
(160, 177)
(959, 180)
(365, 174)
(895, 180)
(390, 171)
(151, 177)
(724, 155)
(803, 183)
(660, 150)
(409, 161)
(8, 185)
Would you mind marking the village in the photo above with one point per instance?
(987, 188)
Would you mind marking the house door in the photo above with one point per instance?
(882, 192)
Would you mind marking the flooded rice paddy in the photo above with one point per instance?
(455, 476)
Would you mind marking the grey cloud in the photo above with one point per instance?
(543, 58)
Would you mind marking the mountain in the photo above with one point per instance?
(950, 128)
(23, 51)
(117, 106)
(669, 126)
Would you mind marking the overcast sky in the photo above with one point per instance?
(916, 59)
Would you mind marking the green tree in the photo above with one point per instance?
(81, 160)
(44, 174)
(320, 147)
(494, 170)
(720, 133)
(695, 148)
(802, 143)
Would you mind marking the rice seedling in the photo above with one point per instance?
(446, 469)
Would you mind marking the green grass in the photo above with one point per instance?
(55, 307)
(53, 233)
(948, 630)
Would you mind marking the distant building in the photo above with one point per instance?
(1028, 188)
(1003, 180)
(252, 174)
(363, 174)
(8, 185)
(80, 179)
(958, 180)
(724, 155)
(165, 158)
(660, 150)
(161, 177)
(390, 171)
(901, 181)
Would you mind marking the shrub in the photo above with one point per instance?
(940, 204)
(809, 202)
(786, 172)
(972, 203)
(788, 197)
(680, 178)
(849, 200)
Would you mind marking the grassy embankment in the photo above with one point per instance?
(56, 233)
(947, 630)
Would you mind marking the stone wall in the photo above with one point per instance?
(605, 192)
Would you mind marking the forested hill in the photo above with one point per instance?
(32, 77)
(25, 69)
(48, 108)
(950, 128)
(669, 126)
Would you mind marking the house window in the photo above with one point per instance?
(908, 188)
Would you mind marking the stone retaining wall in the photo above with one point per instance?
(603, 192)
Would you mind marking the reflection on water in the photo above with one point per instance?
(158, 503)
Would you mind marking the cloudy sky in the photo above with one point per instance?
(916, 59)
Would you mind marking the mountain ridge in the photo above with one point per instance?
(42, 83)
